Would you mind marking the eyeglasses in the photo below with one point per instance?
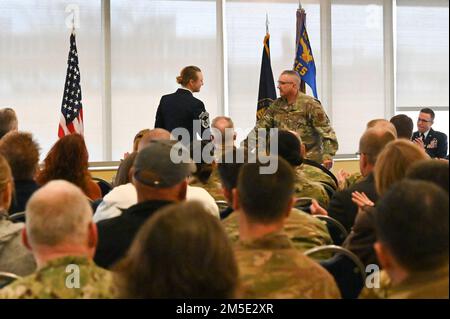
(424, 121)
(283, 83)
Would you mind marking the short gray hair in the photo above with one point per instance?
(57, 213)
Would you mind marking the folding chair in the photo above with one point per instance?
(346, 268)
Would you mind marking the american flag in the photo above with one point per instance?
(71, 119)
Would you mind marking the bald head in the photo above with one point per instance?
(382, 124)
(224, 125)
(58, 213)
(153, 135)
(374, 140)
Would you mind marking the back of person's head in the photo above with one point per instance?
(412, 221)
(22, 153)
(6, 180)
(229, 167)
(265, 198)
(187, 74)
(181, 252)
(393, 162)
(161, 169)
(404, 125)
(435, 171)
(373, 141)
(202, 152)
(8, 121)
(58, 214)
(156, 134)
(223, 125)
(138, 137)
(123, 172)
(68, 160)
(289, 147)
(383, 124)
(427, 110)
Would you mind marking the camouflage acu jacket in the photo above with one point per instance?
(306, 117)
(270, 267)
(304, 230)
(66, 278)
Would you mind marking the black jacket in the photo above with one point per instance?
(23, 191)
(115, 235)
(341, 206)
(180, 109)
(435, 143)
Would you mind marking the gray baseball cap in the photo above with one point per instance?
(163, 164)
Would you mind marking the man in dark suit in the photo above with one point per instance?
(181, 110)
(434, 142)
(341, 206)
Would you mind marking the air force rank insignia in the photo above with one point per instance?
(204, 118)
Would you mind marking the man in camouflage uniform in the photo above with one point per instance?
(269, 264)
(412, 243)
(303, 229)
(303, 114)
(62, 237)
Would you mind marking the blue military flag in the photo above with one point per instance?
(304, 60)
(267, 93)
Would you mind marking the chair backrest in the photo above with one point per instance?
(346, 268)
(329, 189)
(6, 278)
(222, 204)
(105, 187)
(323, 169)
(337, 231)
(303, 204)
(17, 217)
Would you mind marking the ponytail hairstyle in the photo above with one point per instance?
(187, 74)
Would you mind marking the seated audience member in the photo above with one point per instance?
(123, 172)
(180, 252)
(382, 124)
(269, 264)
(412, 242)
(222, 135)
(62, 237)
(431, 171)
(390, 167)
(22, 153)
(304, 230)
(158, 182)
(404, 125)
(68, 160)
(347, 180)
(8, 121)
(124, 196)
(435, 143)
(341, 206)
(205, 175)
(14, 257)
(290, 148)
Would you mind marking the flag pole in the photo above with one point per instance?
(302, 87)
(267, 23)
(73, 22)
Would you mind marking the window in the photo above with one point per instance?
(245, 44)
(151, 41)
(34, 45)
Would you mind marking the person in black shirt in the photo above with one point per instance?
(182, 110)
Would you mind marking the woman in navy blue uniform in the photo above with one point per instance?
(182, 110)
